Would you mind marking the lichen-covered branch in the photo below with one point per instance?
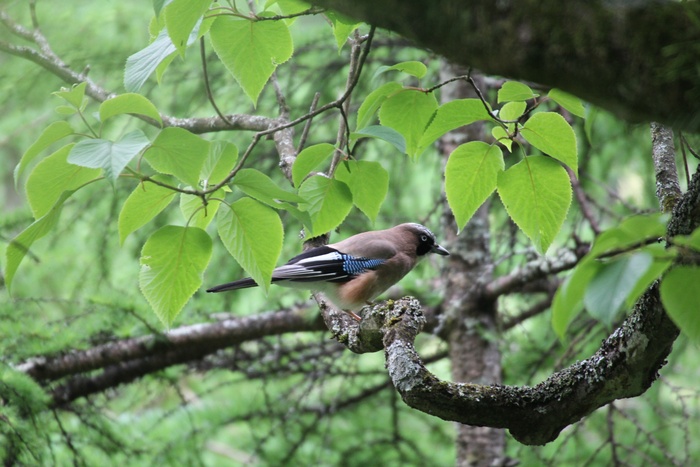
(624, 366)
(663, 153)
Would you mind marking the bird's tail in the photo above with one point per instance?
(239, 284)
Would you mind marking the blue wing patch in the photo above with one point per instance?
(355, 266)
(324, 264)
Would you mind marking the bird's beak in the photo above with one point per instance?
(439, 250)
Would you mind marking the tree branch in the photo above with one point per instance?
(625, 366)
(127, 359)
(541, 267)
(633, 58)
(45, 57)
(663, 153)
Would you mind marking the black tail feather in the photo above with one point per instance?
(239, 284)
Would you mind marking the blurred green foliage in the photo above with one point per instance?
(292, 400)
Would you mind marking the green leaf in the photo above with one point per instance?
(163, 66)
(143, 63)
(512, 111)
(515, 91)
(368, 183)
(251, 50)
(570, 102)
(551, 134)
(329, 202)
(591, 117)
(195, 213)
(680, 304)
(129, 103)
(20, 245)
(172, 263)
(261, 187)
(181, 16)
(568, 300)
(374, 101)
(612, 286)
(384, 133)
(143, 204)
(288, 7)
(629, 232)
(536, 192)
(66, 110)
(302, 216)
(471, 175)
(450, 116)
(413, 68)
(221, 159)
(253, 234)
(157, 6)
(52, 133)
(409, 112)
(500, 135)
(74, 96)
(180, 153)
(342, 27)
(309, 159)
(694, 239)
(663, 259)
(51, 177)
(108, 155)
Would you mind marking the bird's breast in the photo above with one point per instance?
(356, 293)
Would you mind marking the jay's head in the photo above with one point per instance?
(424, 239)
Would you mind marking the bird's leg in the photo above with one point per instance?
(354, 316)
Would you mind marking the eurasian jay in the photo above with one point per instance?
(354, 271)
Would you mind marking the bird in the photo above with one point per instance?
(353, 272)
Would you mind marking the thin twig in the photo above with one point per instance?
(307, 127)
(690, 148)
(32, 13)
(335, 104)
(451, 80)
(471, 81)
(343, 136)
(611, 434)
(627, 249)
(534, 310)
(310, 12)
(685, 161)
(281, 100)
(210, 96)
(583, 201)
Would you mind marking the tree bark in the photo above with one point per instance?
(636, 59)
(625, 366)
(469, 320)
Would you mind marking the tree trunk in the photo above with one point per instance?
(469, 321)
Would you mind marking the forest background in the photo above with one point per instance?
(96, 369)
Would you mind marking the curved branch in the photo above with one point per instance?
(625, 366)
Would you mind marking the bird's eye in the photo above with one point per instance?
(423, 238)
